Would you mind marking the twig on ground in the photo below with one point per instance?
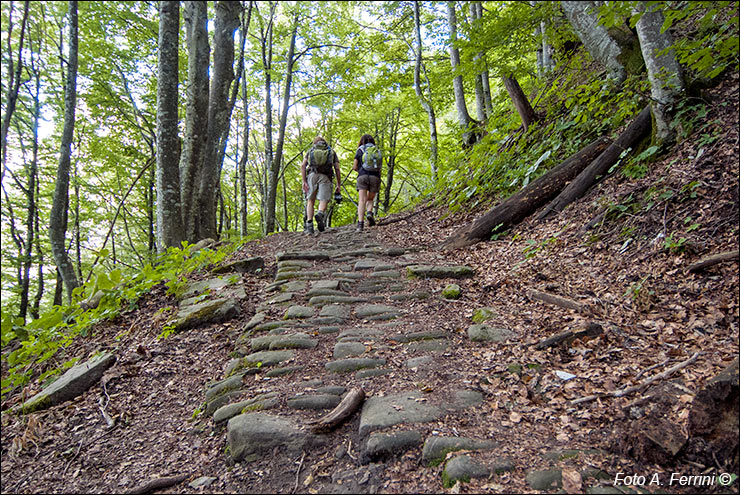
(628, 390)
(298, 473)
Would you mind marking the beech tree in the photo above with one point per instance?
(59, 209)
(169, 213)
(192, 158)
(464, 119)
(226, 22)
(664, 71)
(426, 101)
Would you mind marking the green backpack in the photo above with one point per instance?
(371, 157)
(320, 158)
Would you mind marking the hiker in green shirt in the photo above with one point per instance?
(319, 164)
(367, 165)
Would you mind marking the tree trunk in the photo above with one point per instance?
(58, 220)
(521, 103)
(192, 159)
(272, 174)
(283, 122)
(13, 81)
(476, 15)
(394, 122)
(606, 48)
(31, 196)
(463, 117)
(426, 103)
(664, 71)
(517, 207)
(243, 164)
(635, 132)
(169, 211)
(226, 22)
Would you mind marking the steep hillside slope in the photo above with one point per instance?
(537, 414)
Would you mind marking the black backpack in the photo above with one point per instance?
(321, 158)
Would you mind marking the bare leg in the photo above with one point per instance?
(309, 209)
(361, 202)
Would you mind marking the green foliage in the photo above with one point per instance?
(57, 328)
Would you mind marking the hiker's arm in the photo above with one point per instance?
(356, 165)
(303, 174)
(337, 172)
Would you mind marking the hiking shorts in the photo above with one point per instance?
(319, 187)
(367, 182)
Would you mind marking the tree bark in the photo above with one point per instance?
(272, 175)
(521, 103)
(226, 22)
(169, 211)
(463, 117)
(603, 46)
(476, 15)
(14, 80)
(31, 196)
(58, 220)
(283, 122)
(426, 103)
(394, 121)
(638, 129)
(243, 163)
(664, 71)
(195, 15)
(527, 200)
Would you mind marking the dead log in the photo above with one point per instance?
(520, 205)
(714, 415)
(346, 408)
(557, 301)
(635, 132)
(591, 331)
(158, 484)
(713, 260)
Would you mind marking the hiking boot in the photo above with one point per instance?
(308, 227)
(360, 226)
(370, 219)
(320, 221)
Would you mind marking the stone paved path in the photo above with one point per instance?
(342, 312)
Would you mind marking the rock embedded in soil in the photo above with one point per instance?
(485, 333)
(353, 364)
(383, 445)
(548, 479)
(210, 311)
(260, 433)
(437, 447)
(318, 401)
(72, 383)
(249, 265)
(451, 291)
(463, 468)
(432, 271)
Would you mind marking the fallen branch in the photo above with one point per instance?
(557, 300)
(158, 484)
(713, 260)
(633, 134)
(527, 200)
(339, 414)
(628, 390)
(592, 330)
